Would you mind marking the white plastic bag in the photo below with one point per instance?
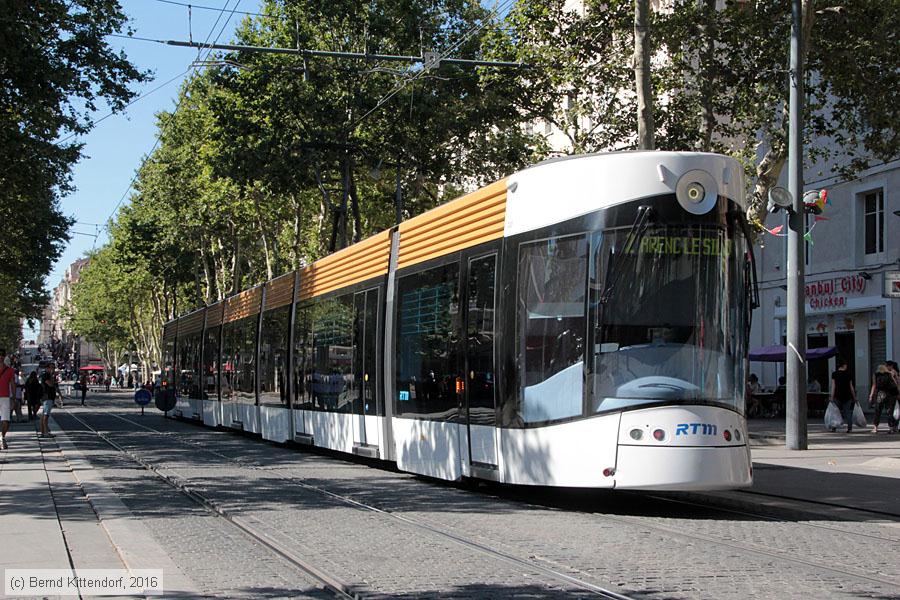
(833, 417)
(859, 419)
(896, 412)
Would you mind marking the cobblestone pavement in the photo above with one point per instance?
(650, 548)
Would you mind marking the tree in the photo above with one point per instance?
(641, 59)
(580, 78)
(56, 70)
(99, 308)
(720, 81)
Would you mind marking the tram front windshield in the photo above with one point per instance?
(670, 323)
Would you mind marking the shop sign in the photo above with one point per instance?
(833, 293)
(892, 285)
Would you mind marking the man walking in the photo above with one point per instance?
(84, 385)
(49, 383)
(843, 393)
(7, 393)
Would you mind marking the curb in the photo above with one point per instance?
(133, 542)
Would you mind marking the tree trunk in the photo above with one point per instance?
(267, 238)
(708, 72)
(769, 169)
(642, 75)
(354, 201)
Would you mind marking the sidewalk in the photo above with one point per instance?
(32, 533)
(859, 470)
(56, 512)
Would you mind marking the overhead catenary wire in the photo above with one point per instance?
(440, 56)
(178, 104)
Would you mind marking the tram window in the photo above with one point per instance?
(303, 358)
(273, 347)
(189, 367)
(332, 375)
(365, 343)
(480, 340)
(551, 327)
(672, 329)
(168, 375)
(428, 333)
(211, 363)
(238, 369)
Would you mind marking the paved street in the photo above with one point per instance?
(379, 533)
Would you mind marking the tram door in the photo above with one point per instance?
(365, 340)
(478, 414)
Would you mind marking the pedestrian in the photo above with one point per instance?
(107, 382)
(34, 391)
(752, 401)
(883, 387)
(20, 395)
(843, 393)
(84, 384)
(7, 393)
(50, 389)
(130, 382)
(813, 385)
(893, 402)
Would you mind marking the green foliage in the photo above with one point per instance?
(99, 308)
(56, 69)
(720, 75)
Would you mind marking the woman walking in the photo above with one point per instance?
(882, 395)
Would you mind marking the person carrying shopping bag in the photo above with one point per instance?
(843, 394)
(882, 395)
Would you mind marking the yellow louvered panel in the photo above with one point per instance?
(280, 291)
(243, 305)
(465, 222)
(363, 260)
(191, 323)
(169, 331)
(214, 315)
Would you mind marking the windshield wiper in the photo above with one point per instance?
(753, 299)
(613, 272)
(742, 221)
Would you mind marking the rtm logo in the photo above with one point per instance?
(695, 429)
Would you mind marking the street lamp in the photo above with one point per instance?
(795, 405)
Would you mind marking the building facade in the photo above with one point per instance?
(54, 335)
(852, 279)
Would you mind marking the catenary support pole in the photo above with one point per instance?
(795, 413)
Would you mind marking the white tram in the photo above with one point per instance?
(583, 323)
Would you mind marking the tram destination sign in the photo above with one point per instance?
(834, 292)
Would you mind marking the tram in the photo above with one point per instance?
(582, 323)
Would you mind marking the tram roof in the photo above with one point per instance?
(548, 192)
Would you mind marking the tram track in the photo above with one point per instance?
(768, 517)
(754, 549)
(332, 583)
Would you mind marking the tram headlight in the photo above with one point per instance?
(636, 434)
(659, 435)
(697, 192)
(727, 435)
(737, 435)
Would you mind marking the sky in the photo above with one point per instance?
(115, 148)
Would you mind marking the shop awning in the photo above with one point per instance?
(778, 353)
